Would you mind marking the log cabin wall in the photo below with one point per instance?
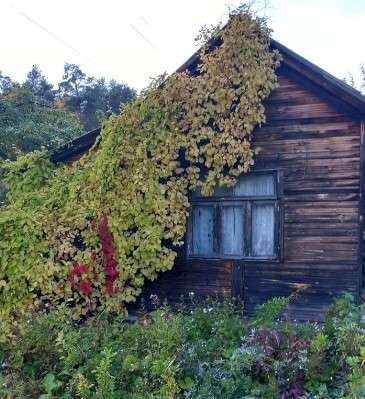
(314, 141)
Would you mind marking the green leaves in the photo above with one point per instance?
(50, 385)
(26, 124)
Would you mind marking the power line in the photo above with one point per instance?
(144, 37)
(44, 29)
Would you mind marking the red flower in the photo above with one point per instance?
(94, 256)
(85, 287)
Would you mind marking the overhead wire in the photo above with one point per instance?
(50, 33)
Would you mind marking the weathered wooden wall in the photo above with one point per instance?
(315, 142)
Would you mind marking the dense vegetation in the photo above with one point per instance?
(34, 114)
(198, 352)
(90, 235)
(28, 124)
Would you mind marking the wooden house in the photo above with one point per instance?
(296, 221)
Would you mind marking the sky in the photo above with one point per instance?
(134, 40)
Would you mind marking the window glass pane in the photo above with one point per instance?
(255, 185)
(232, 235)
(202, 230)
(248, 185)
(263, 226)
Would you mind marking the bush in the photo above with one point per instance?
(202, 351)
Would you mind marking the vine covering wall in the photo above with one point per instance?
(90, 235)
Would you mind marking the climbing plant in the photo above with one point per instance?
(89, 235)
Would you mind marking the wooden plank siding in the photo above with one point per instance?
(314, 141)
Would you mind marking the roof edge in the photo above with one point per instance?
(322, 78)
(75, 147)
(296, 62)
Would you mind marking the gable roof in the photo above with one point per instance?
(322, 78)
(317, 75)
(329, 83)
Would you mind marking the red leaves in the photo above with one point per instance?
(82, 275)
(108, 249)
(79, 269)
(109, 286)
(85, 287)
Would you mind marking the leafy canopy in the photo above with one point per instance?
(91, 234)
(27, 123)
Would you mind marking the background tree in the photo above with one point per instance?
(27, 124)
(362, 74)
(73, 81)
(91, 98)
(5, 83)
(34, 115)
(39, 85)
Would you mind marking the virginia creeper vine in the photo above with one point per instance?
(89, 235)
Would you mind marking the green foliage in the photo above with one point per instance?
(30, 120)
(27, 123)
(93, 99)
(204, 351)
(39, 86)
(269, 312)
(92, 234)
(31, 173)
(105, 381)
(35, 115)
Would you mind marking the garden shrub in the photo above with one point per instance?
(204, 351)
(90, 235)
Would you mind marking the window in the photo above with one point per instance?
(239, 222)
